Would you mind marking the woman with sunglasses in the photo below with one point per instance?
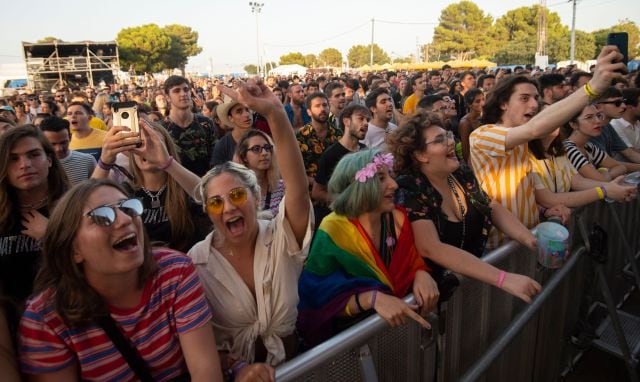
(250, 266)
(255, 151)
(100, 277)
(446, 205)
(170, 215)
(586, 158)
(363, 258)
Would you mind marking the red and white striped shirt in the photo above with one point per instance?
(173, 302)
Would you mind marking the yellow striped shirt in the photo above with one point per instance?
(553, 173)
(504, 175)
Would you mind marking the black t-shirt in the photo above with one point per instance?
(329, 159)
(224, 150)
(195, 142)
(19, 261)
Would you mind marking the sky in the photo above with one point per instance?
(227, 28)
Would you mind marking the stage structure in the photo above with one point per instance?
(51, 65)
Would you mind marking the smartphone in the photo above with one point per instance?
(126, 114)
(621, 40)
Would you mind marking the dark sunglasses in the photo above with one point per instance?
(105, 216)
(237, 196)
(257, 149)
(617, 102)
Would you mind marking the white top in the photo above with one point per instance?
(628, 132)
(376, 136)
(277, 265)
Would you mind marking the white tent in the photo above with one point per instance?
(286, 70)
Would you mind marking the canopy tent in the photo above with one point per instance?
(287, 70)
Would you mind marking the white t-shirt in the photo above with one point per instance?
(376, 136)
(78, 166)
(628, 132)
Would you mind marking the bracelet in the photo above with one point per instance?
(604, 191)
(347, 310)
(373, 299)
(104, 166)
(233, 373)
(503, 275)
(589, 90)
(360, 308)
(166, 165)
(600, 193)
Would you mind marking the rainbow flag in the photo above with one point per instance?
(342, 262)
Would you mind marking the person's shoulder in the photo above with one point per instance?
(167, 257)
(77, 155)
(203, 120)
(41, 303)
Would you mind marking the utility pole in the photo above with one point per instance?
(256, 8)
(573, 32)
(371, 51)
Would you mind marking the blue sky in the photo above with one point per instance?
(228, 28)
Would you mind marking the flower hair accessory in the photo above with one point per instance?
(369, 171)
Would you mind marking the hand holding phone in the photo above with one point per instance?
(620, 40)
(126, 114)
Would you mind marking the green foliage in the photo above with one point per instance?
(625, 25)
(310, 60)
(250, 69)
(361, 55)
(585, 46)
(463, 31)
(330, 57)
(270, 65)
(150, 48)
(403, 60)
(292, 58)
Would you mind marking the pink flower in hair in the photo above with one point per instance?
(369, 171)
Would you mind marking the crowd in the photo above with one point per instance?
(247, 221)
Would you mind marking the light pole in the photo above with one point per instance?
(256, 8)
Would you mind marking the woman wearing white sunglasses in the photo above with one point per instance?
(99, 271)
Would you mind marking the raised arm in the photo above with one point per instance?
(560, 112)
(117, 140)
(256, 95)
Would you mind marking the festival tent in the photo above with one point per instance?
(287, 70)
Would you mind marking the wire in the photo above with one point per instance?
(320, 41)
(405, 23)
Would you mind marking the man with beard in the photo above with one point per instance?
(552, 88)
(380, 104)
(354, 121)
(337, 101)
(192, 133)
(296, 109)
(315, 137)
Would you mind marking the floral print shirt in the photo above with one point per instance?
(312, 146)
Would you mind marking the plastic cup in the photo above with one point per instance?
(553, 244)
(632, 179)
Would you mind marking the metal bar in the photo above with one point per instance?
(625, 242)
(366, 364)
(348, 339)
(498, 346)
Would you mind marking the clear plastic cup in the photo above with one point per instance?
(553, 244)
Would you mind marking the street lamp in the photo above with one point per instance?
(256, 8)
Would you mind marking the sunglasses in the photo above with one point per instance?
(257, 149)
(105, 216)
(617, 102)
(237, 196)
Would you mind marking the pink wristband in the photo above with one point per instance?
(166, 165)
(501, 278)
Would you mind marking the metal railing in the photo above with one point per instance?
(486, 334)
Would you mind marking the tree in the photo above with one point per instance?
(625, 25)
(292, 58)
(184, 44)
(310, 60)
(463, 31)
(361, 55)
(403, 60)
(250, 69)
(144, 47)
(585, 46)
(330, 57)
(270, 65)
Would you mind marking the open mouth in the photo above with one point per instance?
(235, 225)
(126, 243)
(529, 115)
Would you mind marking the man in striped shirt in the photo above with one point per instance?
(499, 154)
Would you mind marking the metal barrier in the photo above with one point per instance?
(535, 347)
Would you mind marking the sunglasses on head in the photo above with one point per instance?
(105, 216)
(237, 196)
(617, 102)
(257, 149)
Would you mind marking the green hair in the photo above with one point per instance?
(351, 197)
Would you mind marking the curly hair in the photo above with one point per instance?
(407, 139)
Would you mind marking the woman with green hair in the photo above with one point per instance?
(363, 258)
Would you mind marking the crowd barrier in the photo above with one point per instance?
(483, 333)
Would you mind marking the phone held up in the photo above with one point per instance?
(126, 114)
(621, 40)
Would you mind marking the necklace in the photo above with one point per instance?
(155, 198)
(38, 204)
(463, 211)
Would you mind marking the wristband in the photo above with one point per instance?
(166, 165)
(373, 299)
(589, 90)
(104, 166)
(358, 303)
(233, 373)
(600, 193)
(604, 191)
(503, 275)
(347, 310)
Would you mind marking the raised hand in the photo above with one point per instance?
(118, 140)
(609, 61)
